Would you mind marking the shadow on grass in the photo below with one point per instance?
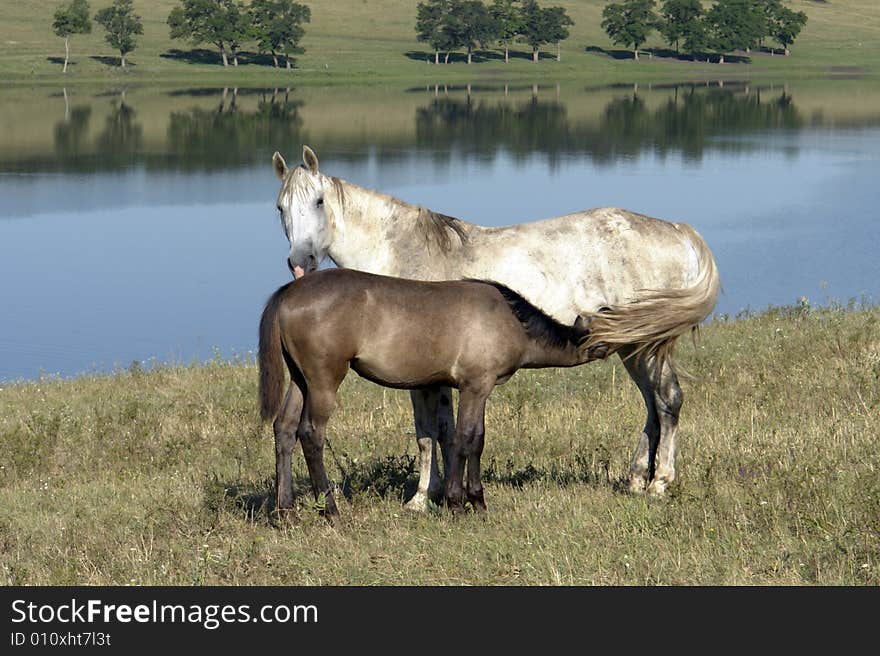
(392, 476)
(397, 477)
(194, 56)
(115, 62)
(212, 57)
(479, 56)
(580, 471)
(60, 61)
(669, 55)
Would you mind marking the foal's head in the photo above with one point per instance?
(305, 219)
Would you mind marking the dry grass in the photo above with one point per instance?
(163, 477)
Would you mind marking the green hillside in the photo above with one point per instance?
(357, 41)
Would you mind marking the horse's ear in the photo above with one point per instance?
(280, 165)
(310, 159)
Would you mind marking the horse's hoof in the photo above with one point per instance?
(657, 488)
(637, 485)
(419, 503)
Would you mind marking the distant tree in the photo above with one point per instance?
(219, 22)
(677, 18)
(237, 26)
(785, 25)
(695, 38)
(277, 26)
(468, 24)
(735, 25)
(431, 17)
(508, 23)
(630, 22)
(541, 26)
(122, 25)
(71, 18)
(556, 24)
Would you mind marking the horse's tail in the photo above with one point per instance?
(656, 318)
(271, 358)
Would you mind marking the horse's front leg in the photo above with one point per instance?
(312, 435)
(426, 403)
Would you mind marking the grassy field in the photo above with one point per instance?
(164, 476)
(355, 41)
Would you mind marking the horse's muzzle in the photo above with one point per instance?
(299, 270)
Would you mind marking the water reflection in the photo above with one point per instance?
(224, 135)
(213, 129)
(227, 135)
(687, 122)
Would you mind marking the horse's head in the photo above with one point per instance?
(303, 215)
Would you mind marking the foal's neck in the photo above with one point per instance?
(539, 355)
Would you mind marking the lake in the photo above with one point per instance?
(139, 225)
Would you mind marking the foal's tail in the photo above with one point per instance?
(271, 358)
(654, 320)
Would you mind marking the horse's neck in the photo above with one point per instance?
(374, 229)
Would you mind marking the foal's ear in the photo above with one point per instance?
(310, 159)
(280, 165)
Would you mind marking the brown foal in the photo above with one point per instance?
(407, 334)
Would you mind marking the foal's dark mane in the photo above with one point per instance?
(538, 325)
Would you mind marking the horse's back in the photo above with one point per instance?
(583, 261)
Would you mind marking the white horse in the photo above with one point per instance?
(652, 280)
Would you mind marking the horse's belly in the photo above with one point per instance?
(402, 372)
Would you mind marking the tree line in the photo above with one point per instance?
(118, 20)
(275, 26)
(693, 30)
(451, 25)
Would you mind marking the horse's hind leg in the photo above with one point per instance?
(312, 434)
(425, 404)
(668, 399)
(285, 426)
(653, 465)
(641, 468)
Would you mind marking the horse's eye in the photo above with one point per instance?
(280, 211)
(320, 202)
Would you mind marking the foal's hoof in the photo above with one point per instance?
(333, 519)
(282, 516)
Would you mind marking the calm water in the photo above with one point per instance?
(141, 225)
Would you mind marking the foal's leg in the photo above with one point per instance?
(473, 450)
(425, 404)
(467, 443)
(642, 467)
(312, 434)
(285, 427)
